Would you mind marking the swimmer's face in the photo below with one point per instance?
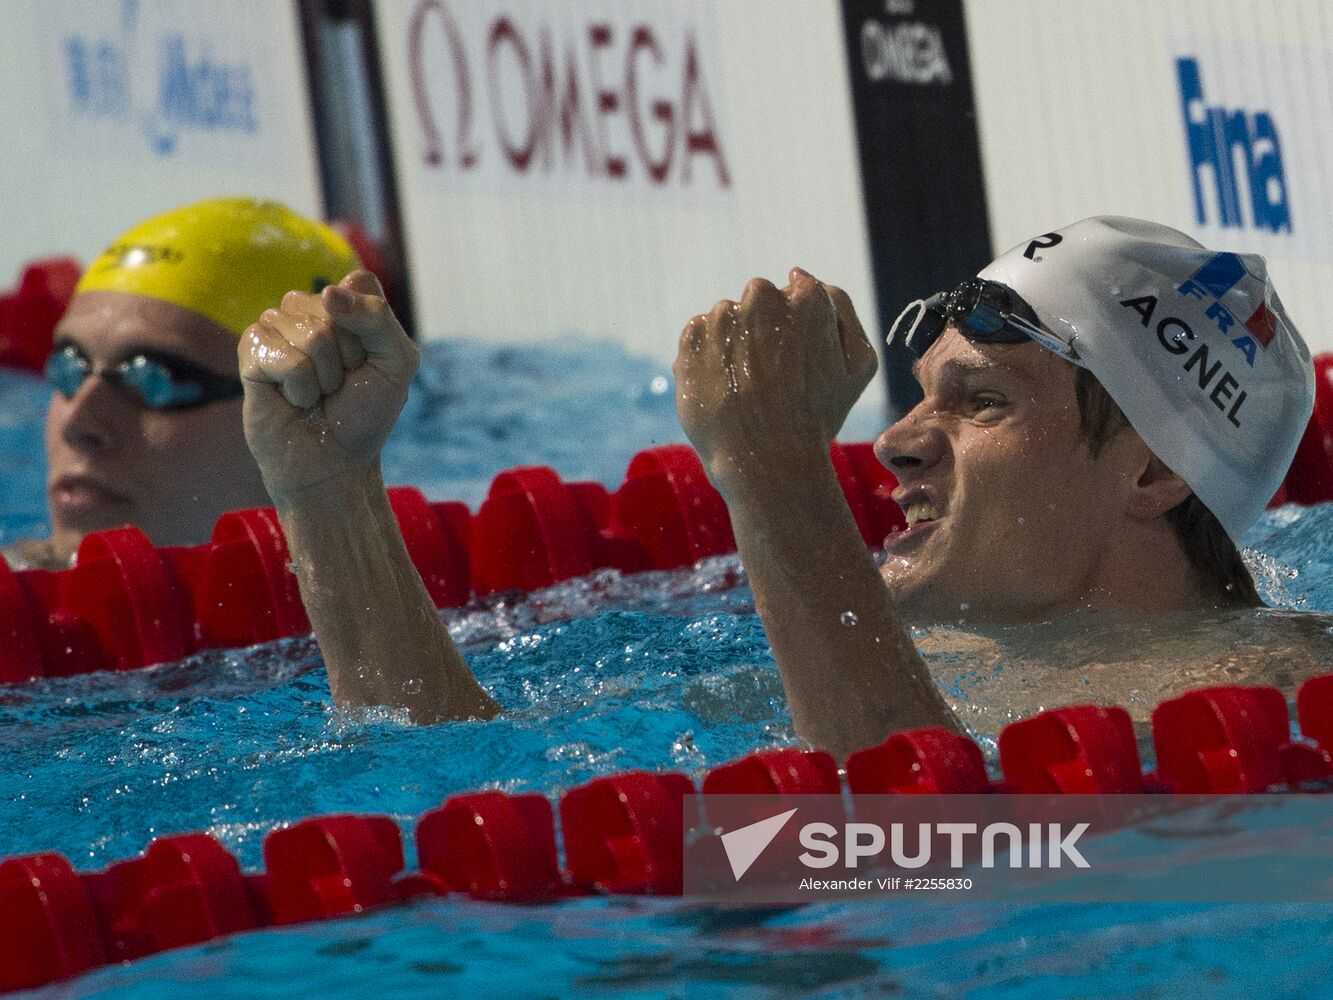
(113, 462)
(1020, 516)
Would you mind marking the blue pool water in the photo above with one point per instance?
(667, 670)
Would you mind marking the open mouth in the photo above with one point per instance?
(921, 516)
(919, 512)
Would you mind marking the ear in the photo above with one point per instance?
(1156, 491)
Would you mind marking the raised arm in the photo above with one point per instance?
(325, 378)
(762, 388)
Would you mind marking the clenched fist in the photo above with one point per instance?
(325, 377)
(767, 382)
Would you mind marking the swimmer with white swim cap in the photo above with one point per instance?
(1093, 436)
(1107, 409)
(144, 427)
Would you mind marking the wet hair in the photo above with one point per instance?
(1217, 563)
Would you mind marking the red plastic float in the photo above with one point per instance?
(491, 846)
(29, 313)
(48, 930)
(250, 594)
(331, 865)
(776, 772)
(1310, 478)
(20, 652)
(624, 834)
(597, 505)
(1314, 713)
(1221, 739)
(528, 534)
(668, 506)
(1314, 710)
(67, 643)
(183, 891)
(121, 589)
(926, 761)
(1080, 749)
(868, 487)
(436, 552)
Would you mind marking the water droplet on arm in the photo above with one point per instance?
(848, 618)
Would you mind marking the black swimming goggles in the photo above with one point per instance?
(983, 311)
(155, 381)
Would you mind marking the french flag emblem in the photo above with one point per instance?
(1262, 325)
(1225, 274)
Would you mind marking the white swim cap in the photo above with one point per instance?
(1194, 346)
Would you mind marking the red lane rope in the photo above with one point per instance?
(126, 604)
(622, 833)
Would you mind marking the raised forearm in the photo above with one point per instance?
(380, 633)
(851, 672)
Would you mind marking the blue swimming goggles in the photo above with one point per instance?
(155, 381)
(983, 311)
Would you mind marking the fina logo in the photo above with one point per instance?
(1215, 135)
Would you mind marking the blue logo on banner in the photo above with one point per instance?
(195, 92)
(1217, 139)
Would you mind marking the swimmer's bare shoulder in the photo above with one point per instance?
(998, 674)
(28, 553)
(1279, 649)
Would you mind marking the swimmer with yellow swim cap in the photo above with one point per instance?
(144, 427)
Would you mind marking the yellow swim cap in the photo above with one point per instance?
(227, 258)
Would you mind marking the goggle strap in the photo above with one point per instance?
(919, 325)
(1048, 340)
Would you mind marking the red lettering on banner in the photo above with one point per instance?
(704, 140)
(617, 100)
(573, 125)
(608, 101)
(434, 153)
(658, 169)
(519, 155)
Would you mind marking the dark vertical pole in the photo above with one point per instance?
(352, 133)
(916, 128)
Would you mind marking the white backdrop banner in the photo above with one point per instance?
(119, 109)
(612, 167)
(1213, 116)
(606, 97)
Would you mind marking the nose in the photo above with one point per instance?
(94, 417)
(912, 444)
